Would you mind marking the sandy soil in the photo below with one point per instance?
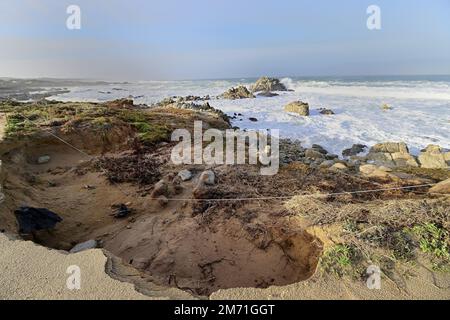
(186, 249)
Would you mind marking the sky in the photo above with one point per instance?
(215, 39)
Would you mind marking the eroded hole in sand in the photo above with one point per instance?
(180, 252)
(199, 248)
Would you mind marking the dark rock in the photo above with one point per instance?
(253, 119)
(35, 219)
(354, 150)
(326, 111)
(267, 94)
(121, 211)
(319, 148)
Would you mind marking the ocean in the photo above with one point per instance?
(420, 113)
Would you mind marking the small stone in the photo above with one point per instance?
(185, 175)
(160, 189)
(313, 154)
(326, 164)
(163, 201)
(90, 244)
(207, 177)
(43, 159)
(253, 119)
(121, 211)
(339, 166)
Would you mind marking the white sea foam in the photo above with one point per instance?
(420, 115)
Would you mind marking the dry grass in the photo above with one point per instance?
(397, 213)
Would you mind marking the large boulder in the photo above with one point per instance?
(392, 154)
(267, 84)
(373, 171)
(240, 92)
(434, 157)
(299, 107)
(90, 244)
(390, 147)
(442, 187)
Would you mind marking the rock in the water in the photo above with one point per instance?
(240, 92)
(253, 119)
(442, 187)
(35, 219)
(325, 111)
(299, 107)
(90, 244)
(354, 150)
(433, 157)
(43, 159)
(267, 84)
(185, 175)
(267, 94)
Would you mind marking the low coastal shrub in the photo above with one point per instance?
(435, 242)
(341, 260)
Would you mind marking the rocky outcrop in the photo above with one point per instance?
(240, 92)
(434, 157)
(392, 154)
(299, 107)
(354, 150)
(441, 188)
(373, 171)
(267, 84)
(205, 107)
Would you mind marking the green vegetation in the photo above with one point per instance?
(341, 259)
(149, 132)
(27, 118)
(434, 241)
